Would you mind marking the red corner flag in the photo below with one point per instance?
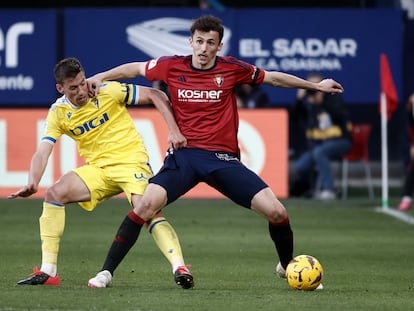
(387, 86)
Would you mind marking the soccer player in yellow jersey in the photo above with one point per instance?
(116, 161)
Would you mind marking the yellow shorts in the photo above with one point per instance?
(104, 183)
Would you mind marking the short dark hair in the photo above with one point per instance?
(67, 68)
(208, 23)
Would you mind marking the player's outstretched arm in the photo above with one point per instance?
(37, 168)
(124, 71)
(281, 79)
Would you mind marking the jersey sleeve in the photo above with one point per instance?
(122, 93)
(52, 130)
(248, 73)
(157, 69)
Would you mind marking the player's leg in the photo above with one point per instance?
(266, 204)
(128, 233)
(167, 241)
(133, 181)
(126, 236)
(247, 189)
(175, 179)
(69, 188)
(146, 209)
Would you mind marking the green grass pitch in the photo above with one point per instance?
(368, 259)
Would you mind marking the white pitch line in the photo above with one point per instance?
(397, 214)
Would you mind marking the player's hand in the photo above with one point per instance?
(330, 86)
(177, 140)
(94, 83)
(24, 192)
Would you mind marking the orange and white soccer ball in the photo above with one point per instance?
(304, 272)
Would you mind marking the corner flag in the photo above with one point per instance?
(388, 103)
(388, 86)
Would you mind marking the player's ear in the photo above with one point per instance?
(220, 46)
(59, 88)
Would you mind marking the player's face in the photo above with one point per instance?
(75, 89)
(205, 47)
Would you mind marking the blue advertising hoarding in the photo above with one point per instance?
(27, 56)
(341, 44)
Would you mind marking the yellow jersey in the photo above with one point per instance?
(103, 129)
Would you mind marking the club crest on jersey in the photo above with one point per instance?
(218, 79)
(69, 115)
(96, 102)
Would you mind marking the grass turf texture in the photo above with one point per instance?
(368, 259)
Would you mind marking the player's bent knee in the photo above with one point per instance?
(147, 210)
(266, 204)
(52, 195)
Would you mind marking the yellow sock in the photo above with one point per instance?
(167, 241)
(52, 225)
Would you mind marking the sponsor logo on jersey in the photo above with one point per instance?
(90, 125)
(187, 95)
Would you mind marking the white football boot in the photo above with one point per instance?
(280, 271)
(101, 280)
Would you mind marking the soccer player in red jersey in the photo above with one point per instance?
(203, 100)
